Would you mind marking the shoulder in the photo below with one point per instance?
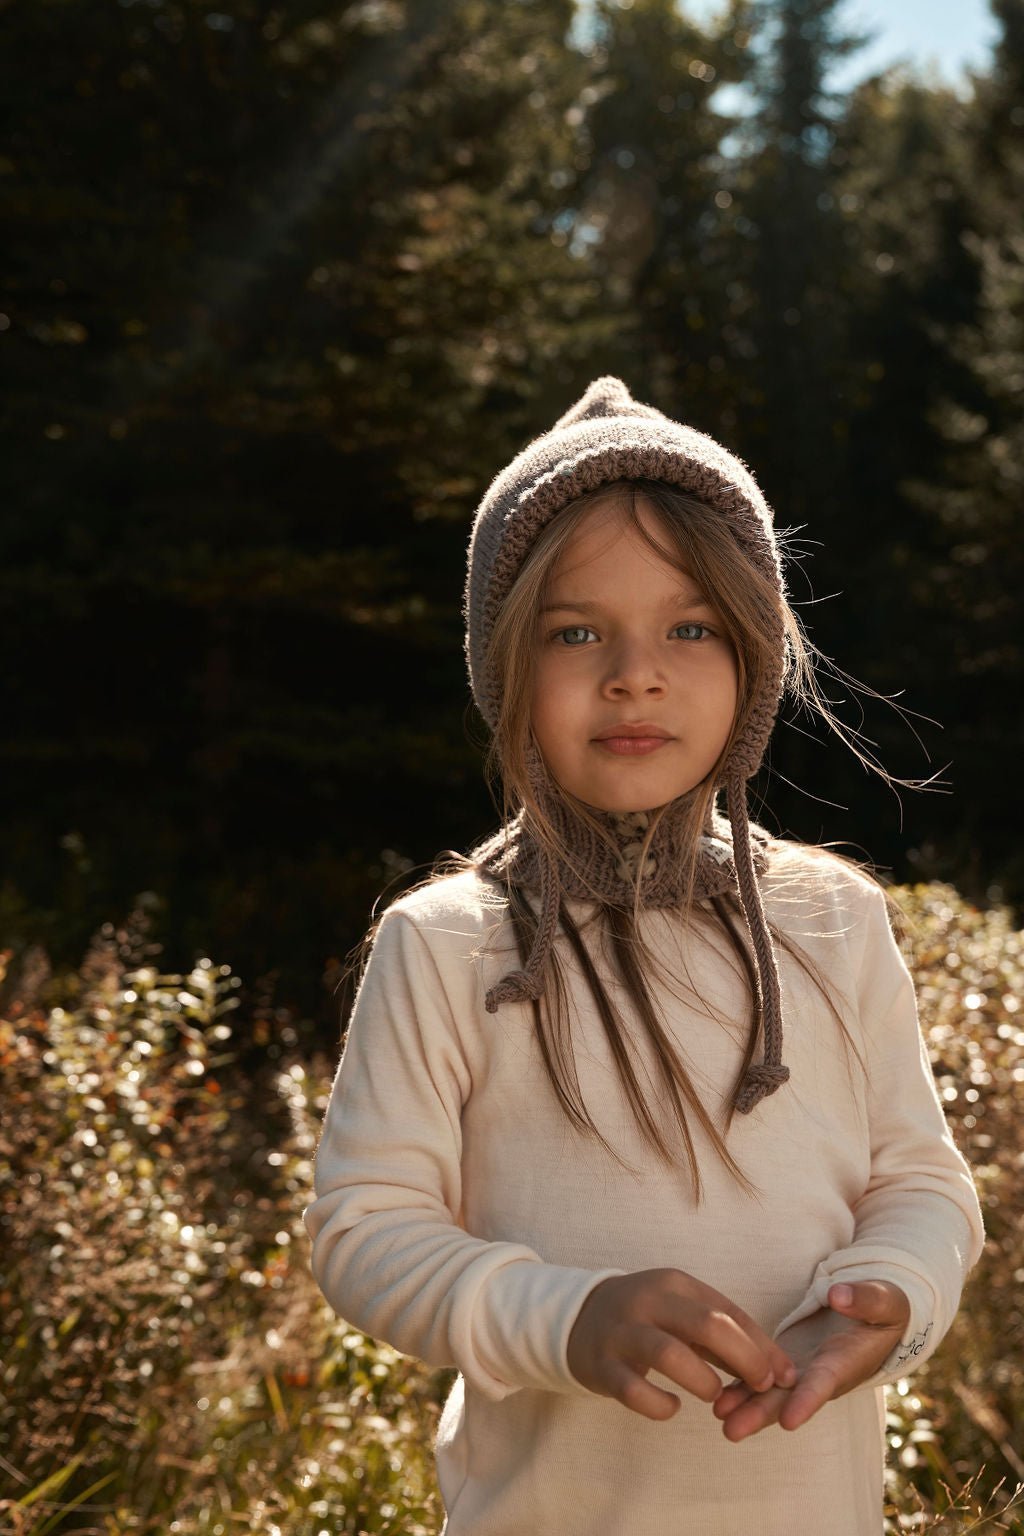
(831, 913)
(464, 898)
(814, 892)
(453, 914)
(431, 950)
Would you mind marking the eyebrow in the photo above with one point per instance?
(692, 599)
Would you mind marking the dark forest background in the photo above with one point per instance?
(285, 285)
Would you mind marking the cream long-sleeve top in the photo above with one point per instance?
(461, 1217)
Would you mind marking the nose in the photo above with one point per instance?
(634, 671)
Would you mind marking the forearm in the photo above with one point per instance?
(389, 1252)
(494, 1310)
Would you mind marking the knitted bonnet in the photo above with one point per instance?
(608, 436)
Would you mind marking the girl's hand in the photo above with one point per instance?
(837, 1349)
(665, 1320)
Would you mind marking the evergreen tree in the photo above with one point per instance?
(652, 202)
(793, 286)
(1000, 100)
(287, 284)
(973, 490)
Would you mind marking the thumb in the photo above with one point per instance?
(877, 1302)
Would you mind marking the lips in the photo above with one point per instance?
(641, 729)
(635, 739)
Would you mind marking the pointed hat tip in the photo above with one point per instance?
(605, 396)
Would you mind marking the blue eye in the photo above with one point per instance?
(577, 635)
(693, 631)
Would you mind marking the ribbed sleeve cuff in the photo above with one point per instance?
(518, 1336)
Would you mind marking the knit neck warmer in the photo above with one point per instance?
(607, 437)
(607, 868)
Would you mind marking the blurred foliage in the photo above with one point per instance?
(968, 966)
(168, 1364)
(278, 284)
(285, 285)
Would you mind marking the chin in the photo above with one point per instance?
(622, 805)
(619, 805)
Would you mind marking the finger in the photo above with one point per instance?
(731, 1339)
(757, 1413)
(820, 1383)
(783, 1370)
(642, 1396)
(842, 1361)
(784, 1378)
(652, 1349)
(872, 1301)
(730, 1397)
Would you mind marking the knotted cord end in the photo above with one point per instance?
(758, 1083)
(516, 987)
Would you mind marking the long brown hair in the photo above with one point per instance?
(694, 538)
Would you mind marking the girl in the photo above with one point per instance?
(633, 1122)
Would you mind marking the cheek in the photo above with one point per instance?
(558, 711)
(731, 689)
(540, 703)
(731, 701)
(723, 698)
(545, 691)
(729, 677)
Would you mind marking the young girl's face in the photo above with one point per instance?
(635, 682)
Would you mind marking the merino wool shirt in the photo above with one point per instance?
(459, 1215)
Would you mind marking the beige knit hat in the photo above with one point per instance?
(608, 436)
